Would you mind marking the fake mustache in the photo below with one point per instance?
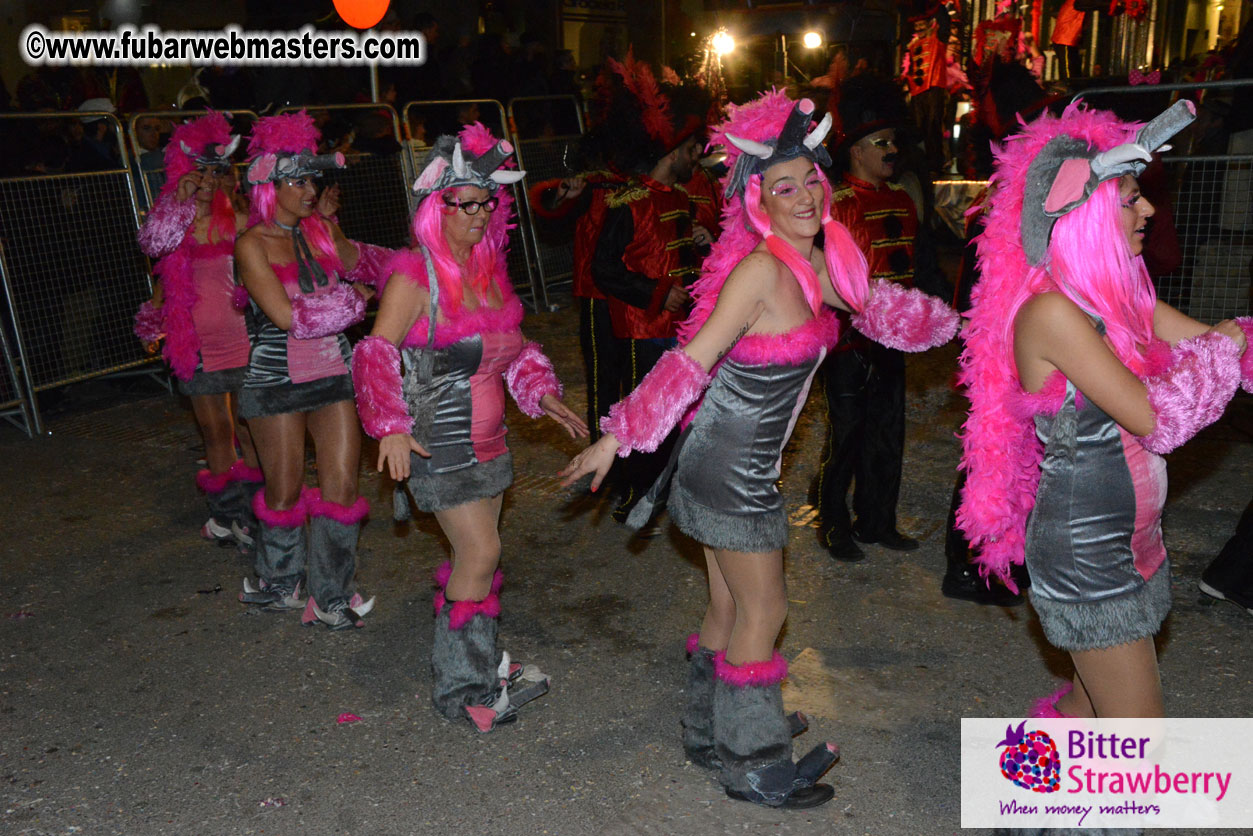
(891, 159)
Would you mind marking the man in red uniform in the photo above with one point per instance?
(1067, 35)
(926, 76)
(649, 246)
(865, 381)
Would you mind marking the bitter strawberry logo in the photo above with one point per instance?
(1030, 759)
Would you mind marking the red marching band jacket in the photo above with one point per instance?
(591, 215)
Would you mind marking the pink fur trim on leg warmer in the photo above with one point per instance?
(241, 472)
(1193, 393)
(643, 419)
(166, 225)
(1047, 706)
(211, 482)
(343, 514)
(326, 314)
(376, 379)
(372, 261)
(293, 517)
(693, 643)
(530, 377)
(1246, 359)
(463, 611)
(750, 673)
(149, 323)
(905, 318)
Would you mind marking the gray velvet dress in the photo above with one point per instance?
(720, 486)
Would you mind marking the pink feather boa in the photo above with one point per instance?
(1193, 393)
(379, 388)
(530, 377)
(1246, 359)
(906, 318)
(643, 419)
(750, 674)
(343, 514)
(293, 517)
(166, 225)
(327, 313)
(182, 344)
(371, 266)
(449, 329)
(463, 611)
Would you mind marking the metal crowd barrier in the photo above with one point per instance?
(1211, 200)
(544, 127)
(424, 121)
(373, 201)
(72, 272)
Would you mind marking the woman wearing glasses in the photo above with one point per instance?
(296, 266)
(450, 308)
(192, 229)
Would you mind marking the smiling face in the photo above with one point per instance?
(463, 230)
(791, 195)
(1135, 213)
(294, 199)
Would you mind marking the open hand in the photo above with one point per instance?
(564, 415)
(1229, 328)
(597, 459)
(328, 201)
(394, 453)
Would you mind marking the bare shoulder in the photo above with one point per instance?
(1051, 312)
(757, 273)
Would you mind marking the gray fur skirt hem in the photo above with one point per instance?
(761, 532)
(1110, 621)
(213, 383)
(441, 491)
(263, 401)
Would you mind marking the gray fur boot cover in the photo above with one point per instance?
(280, 542)
(751, 735)
(333, 532)
(698, 715)
(463, 661)
(226, 505)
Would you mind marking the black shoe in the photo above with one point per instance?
(892, 539)
(1235, 596)
(799, 799)
(651, 529)
(966, 585)
(842, 548)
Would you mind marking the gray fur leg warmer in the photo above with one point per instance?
(464, 660)
(698, 714)
(751, 735)
(333, 531)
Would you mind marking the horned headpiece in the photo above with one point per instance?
(284, 147)
(795, 140)
(450, 165)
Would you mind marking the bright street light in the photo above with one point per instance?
(722, 42)
(812, 40)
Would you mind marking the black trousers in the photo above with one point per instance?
(1069, 64)
(602, 361)
(928, 111)
(639, 470)
(865, 390)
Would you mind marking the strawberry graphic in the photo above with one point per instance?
(1030, 759)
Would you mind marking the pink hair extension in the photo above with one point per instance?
(379, 388)
(197, 133)
(343, 514)
(693, 643)
(530, 377)
(293, 517)
(800, 345)
(324, 314)
(643, 419)
(221, 218)
(370, 267)
(905, 318)
(846, 263)
(241, 472)
(750, 674)
(149, 323)
(211, 482)
(166, 226)
(1246, 359)
(1194, 392)
(780, 249)
(261, 204)
(182, 343)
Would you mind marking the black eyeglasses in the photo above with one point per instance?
(471, 207)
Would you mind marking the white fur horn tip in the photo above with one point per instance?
(749, 146)
(818, 134)
(506, 177)
(459, 162)
(232, 145)
(186, 150)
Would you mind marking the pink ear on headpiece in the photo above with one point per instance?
(430, 175)
(1068, 185)
(340, 160)
(262, 168)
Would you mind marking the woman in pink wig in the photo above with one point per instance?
(297, 267)
(761, 324)
(1079, 379)
(450, 308)
(192, 230)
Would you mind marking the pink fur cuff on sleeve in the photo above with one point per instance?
(1246, 359)
(166, 225)
(149, 323)
(327, 314)
(905, 318)
(371, 267)
(380, 391)
(1193, 393)
(530, 377)
(643, 419)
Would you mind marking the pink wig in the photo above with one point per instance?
(1089, 261)
(488, 259)
(745, 224)
(287, 133)
(210, 128)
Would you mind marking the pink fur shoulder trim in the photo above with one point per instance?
(791, 348)
(750, 673)
(467, 323)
